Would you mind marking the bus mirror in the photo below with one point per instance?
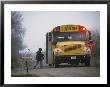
(90, 36)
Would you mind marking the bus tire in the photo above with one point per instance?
(77, 63)
(56, 65)
(50, 64)
(87, 61)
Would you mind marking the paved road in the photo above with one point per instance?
(63, 71)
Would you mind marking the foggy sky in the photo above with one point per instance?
(38, 23)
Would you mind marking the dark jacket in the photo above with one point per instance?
(39, 56)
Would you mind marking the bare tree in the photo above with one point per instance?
(96, 39)
(17, 34)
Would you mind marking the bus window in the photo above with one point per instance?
(50, 34)
(76, 36)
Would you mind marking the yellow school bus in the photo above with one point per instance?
(68, 44)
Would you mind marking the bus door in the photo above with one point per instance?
(48, 48)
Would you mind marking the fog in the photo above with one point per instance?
(38, 23)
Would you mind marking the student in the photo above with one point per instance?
(39, 58)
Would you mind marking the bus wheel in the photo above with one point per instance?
(56, 65)
(77, 63)
(87, 61)
(50, 64)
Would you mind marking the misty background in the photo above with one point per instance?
(29, 28)
(38, 23)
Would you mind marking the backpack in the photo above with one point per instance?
(39, 56)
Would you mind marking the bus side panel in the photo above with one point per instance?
(49, 53)
(47, 48)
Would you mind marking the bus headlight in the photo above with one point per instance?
(57, 51)
(86, 50)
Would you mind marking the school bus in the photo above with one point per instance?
(68, 44)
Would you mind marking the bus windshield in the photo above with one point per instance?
(74, 36)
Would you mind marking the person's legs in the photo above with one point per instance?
(36, 64)
(40, 64)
